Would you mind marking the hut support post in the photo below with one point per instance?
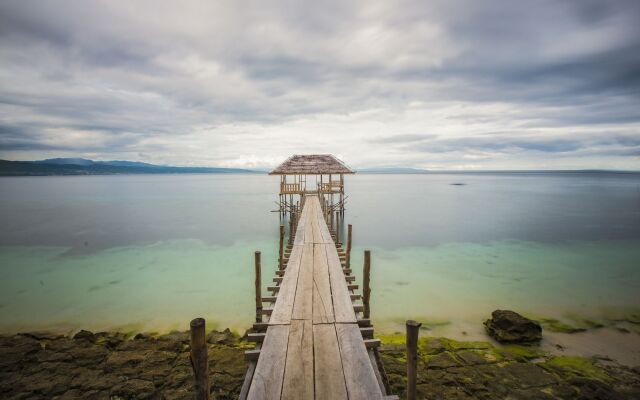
(413, 329)
(348, 255)
(258, 284)
(198, 358)
(366, 289)
(281, 253)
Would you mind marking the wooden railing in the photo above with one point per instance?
(329, 186)
(289, 187)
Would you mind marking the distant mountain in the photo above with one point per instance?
(65, 161)
(81, 166)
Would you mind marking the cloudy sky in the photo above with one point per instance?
(432, 84)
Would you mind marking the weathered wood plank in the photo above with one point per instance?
(298, 376)
(283, 308)
(322, 299)
(303, 303)
(342, 305)
(329, 377)
(269, 373)
(359, 376)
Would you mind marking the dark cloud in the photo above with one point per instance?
(111, 78)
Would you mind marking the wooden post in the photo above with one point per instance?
(199, 361)
(413, 329)
(258, 287)
(348, 255)
(291, 216)
(337, 230)
(366, 289)
(281, 257)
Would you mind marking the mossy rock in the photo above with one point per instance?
(523, 353)
(580, 367)
(554, 325)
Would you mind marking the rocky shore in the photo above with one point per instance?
(113, 365)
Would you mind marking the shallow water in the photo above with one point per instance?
(152, 252)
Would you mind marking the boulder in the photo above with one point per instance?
(85, 335)
(510, 327)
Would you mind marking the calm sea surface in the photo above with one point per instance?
(152, 252)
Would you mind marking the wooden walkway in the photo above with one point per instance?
(313, 347)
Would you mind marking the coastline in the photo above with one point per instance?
(156, 366)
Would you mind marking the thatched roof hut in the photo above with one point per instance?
(312, 164)
(324, 167)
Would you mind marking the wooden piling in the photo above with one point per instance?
(199, 361)
(349, 237)
(337, 230)
(258, 284)
(291, 226)
(413, 329)
(366, 289)
(281, 257)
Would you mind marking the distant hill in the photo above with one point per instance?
(81, 166)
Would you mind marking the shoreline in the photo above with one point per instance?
(156, 366)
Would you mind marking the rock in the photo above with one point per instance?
(510, 327)
(442, 361)
(85, 335)
(225, 337)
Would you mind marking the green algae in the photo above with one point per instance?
(576, 367)
(523, 353)
(554, 325)
(392, 339)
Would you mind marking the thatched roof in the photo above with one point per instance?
(311, 164)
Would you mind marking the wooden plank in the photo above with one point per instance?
(359, 376)
(322, 299)
(298, 375)
(317, 236)
(342, 306)
(283, 309)
(303, 303)
(308, 227)
(300, 230)
(329, 377)
(269, 373)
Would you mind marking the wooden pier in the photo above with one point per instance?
(312, 345)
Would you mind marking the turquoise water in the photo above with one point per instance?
(152, 252)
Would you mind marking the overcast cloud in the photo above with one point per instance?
(432, 84)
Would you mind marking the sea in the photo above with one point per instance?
(151, 252)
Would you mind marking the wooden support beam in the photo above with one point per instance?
(352, 287)
(364, 322)
(260, 326)
(277, 279)
(256, 337)
(281, 272)
(366, 289)
(281, 253)
(355, 297)
(347, 271)
(267, 311)
(269, 299)
(199, 362)
(372, 343)
(258, 285)
(350, 278)
(358, 308)
(367, 332)
(251, 355)
(413, 329)
(273, 288)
